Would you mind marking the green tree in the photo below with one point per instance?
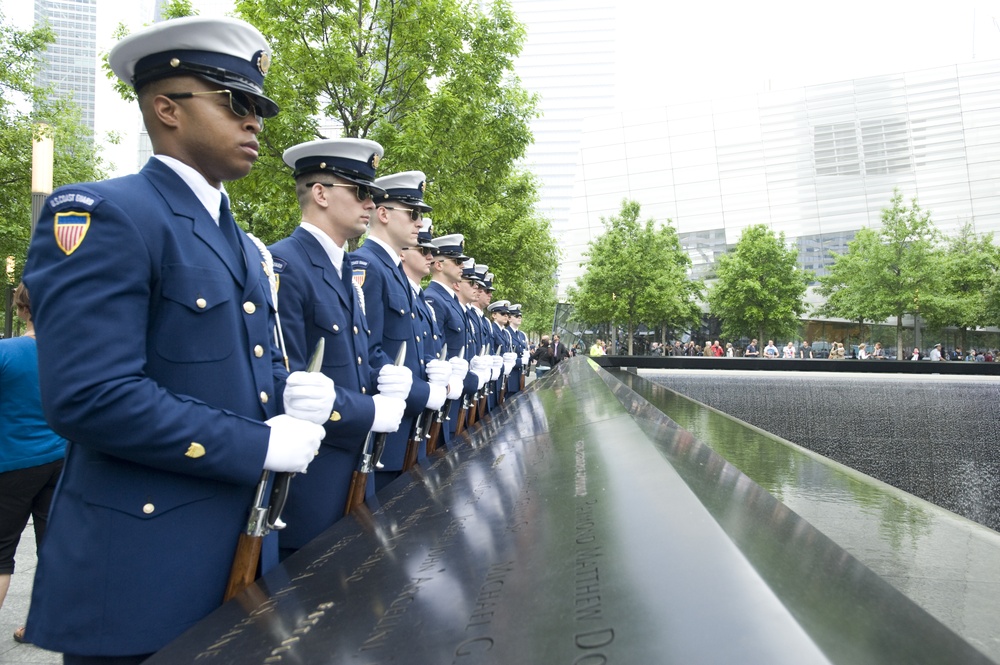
(24, 108)
(970, 265)
(760, 290)
(636, 272)
(857, 302)
(890, 272)
(433, 82)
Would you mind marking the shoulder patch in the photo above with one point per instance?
(358, 276)
(73, 199)
(358, 262)
(70, 229)
(279, 264)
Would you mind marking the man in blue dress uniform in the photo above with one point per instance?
(391, 312)
(417, 265)
(442, 295)
(157, 358)
(317, 299)
(520, 349)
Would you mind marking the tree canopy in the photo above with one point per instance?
(432, 81)
(760, 290)
(895, 270)
(636, 272)
(24, 107)
(970, 268)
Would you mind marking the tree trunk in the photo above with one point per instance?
(631, 336)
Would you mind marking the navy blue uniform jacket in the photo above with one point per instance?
(314, 303)
(392, 321)
(157, 362)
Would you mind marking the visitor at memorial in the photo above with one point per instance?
(805, 351)
(730, 351)
(936, 353)
(751, 350)
(862, 351)
(31, 454)
(789, 351)
(878, 353)
(916, 355)
(770, 351)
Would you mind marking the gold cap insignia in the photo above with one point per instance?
(422, 186)
(264, 63)
(374, 160)
(195, 450)
(322, 165)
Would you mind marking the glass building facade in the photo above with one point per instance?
(70, 62)
(817, 163)
(569, 61)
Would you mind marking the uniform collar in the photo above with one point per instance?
(388, 250)
(335, 253)
(209, 196)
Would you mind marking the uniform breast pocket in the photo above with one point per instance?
(195, 321)
(333, 326)
(398, 323)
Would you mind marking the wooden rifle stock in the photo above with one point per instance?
(413, 443)
(435, 430)
(356, 493)
(244, 570)
(462, 415)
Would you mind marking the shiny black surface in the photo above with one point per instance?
(945, 563)
(573, 528)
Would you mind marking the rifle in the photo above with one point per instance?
(480, 400)
(264, 517)
(442, 414)
(419, 429)
(371, 452)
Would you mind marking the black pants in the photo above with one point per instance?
(24, 493)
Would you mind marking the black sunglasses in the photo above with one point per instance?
(415, 215)
(239, 103)
(363, 192)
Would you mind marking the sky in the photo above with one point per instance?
(671, 50)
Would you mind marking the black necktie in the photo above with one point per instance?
(228, 227)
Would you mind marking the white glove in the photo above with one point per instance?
(437, 396)
(509, 360)
(438, 372)
(292, 443)
(496, 362)
(388, 413)
(455, 386)
(482, 378)
(525, 357)
(309, 396)
(395, 381)
(480, 366)
(459, 367)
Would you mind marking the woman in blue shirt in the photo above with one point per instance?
(31, 454)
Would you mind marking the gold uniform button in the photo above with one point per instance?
(336, 328)
(201, 303)
(195, 450)
(421, 361)
(335, 416)
(364, 391)
(413, 315)
(402, 312)
(435, 337)
(263, 397)
(148, 508)
(258, 350)
(359, 360)
(355, 330)
(249, 307)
